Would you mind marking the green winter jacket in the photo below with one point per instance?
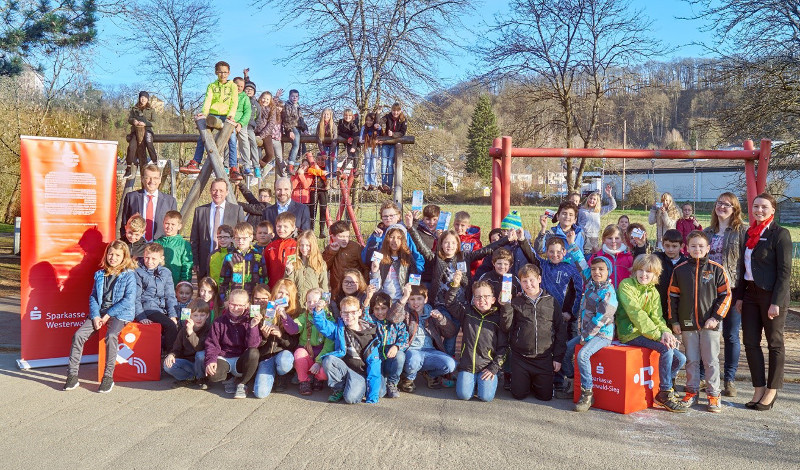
(177, 257)
(639, 312)
(243, 110)
(313, 337)
(221, 99)
(306, 278)
(145, 115)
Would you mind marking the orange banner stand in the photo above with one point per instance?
(624, 378)
(68, 217)
(138, 353)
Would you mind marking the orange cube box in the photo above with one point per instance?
(138, 353)
(624, 378)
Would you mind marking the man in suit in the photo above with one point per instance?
(284, 203)
(150, 203)
(206, 220)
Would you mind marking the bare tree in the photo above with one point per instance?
(569, 51)
(368, 52)
(173, 37)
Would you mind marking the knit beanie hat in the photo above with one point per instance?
(250, 85)
(512, 221)
(145, 94)
(608, 262)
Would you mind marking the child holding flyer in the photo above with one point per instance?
(313, 346)
(393, 267)
(185, 361)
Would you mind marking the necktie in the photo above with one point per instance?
(216, 226)
(148, 231)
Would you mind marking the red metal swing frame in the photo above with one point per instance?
(502, 151)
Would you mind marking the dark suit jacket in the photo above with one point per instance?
(133, 204)
(200, 238)
(303, 219)
(771, 265)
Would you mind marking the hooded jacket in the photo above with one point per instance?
(178, 257)
(639, 311)
(230, 337)
(667, 267)
(123, 296)
(471, 241)
(484, 341)
(155, 292)
(699, 290)
(186, 346)
(598, 308)
(309, 336)
(431, 328)
(272, 345)
(621, 263)
(535, 327)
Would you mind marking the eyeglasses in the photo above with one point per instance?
(349, 282)
(724, 205)
(483, 297)
(389, 216)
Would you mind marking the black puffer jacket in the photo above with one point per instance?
(484, 341)
(535, 326)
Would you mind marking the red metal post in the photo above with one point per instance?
(763, 165)
(750, 175)
(496, 185)
(505, 205)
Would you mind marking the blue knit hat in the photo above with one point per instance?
(608, 262)
(512, 221)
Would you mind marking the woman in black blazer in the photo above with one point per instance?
(762, 295)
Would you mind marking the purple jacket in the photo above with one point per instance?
(230, 337)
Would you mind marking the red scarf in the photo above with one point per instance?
(754, 232)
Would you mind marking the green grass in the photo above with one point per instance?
(6, 228)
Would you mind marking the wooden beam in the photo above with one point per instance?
(306, 139)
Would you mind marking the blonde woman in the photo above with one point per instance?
(327, 129)
(589, 218)
(664, 215)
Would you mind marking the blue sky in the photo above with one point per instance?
(248, 39)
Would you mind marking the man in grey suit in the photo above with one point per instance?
(284, 203)
(150, 203)
(206, 220)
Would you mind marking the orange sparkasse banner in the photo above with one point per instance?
(68, 217)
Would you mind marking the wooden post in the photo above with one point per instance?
(750, 176)
(398, 176)
(125, 190)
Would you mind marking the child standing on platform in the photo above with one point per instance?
(177, 251)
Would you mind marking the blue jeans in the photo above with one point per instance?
(201, 148)
(392, 368)
(331, 165)
(670, 362)
(344, 379)
(370, 178)
(292, 160)
(584, 358)
(450, 343)
(731, 325)
(467, 383)
(387, 165)
(280, 363)
(184, 369)
(435, 363)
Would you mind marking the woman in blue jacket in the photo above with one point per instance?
(113, 303)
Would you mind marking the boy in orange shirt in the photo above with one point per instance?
(282, 250)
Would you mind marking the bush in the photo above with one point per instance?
(641, 193)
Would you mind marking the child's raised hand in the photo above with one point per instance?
(378, 232)
(254, 321)
(457, 277)
(609, 192)
(392, 352)
(406, 292)
(408, 219)
(289, 269)
(570, 234)
(543, 221)
(376, 265)
(189, 326)
(436, 315)
(512, 235)
(520, 234)
(278, 93)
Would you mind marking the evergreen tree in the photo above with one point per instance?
(482, 131)
(33, 26)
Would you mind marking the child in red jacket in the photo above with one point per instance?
(282, 249)
(470, 236)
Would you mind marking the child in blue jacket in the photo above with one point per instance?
(354, 367)
(111, 303)
(155, 300)
(392, 340)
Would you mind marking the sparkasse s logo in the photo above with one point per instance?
(35, 314)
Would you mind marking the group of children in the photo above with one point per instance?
(272, 120)
(367, 320)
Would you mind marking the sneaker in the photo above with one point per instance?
(193, 167)
(257, 172)
(586, 400)
(730, 389)
(688, 400)
(714, 404)
(241, 391)
(448, 381)
(317, 385)
(391, 391)
(71, 383)
(106, 385)
(565, 392)
(202, 384)
(129, 174)
(246, 172)
(507, 381)
(406, 385)
(305, 388)
(434, 383)
(336, 396)
(280, 384)
(230, 386)
(235, 175)
(666, 399)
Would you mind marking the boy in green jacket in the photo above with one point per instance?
(641, 323)
(177, 251)
(242, 119)
(222, 100)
